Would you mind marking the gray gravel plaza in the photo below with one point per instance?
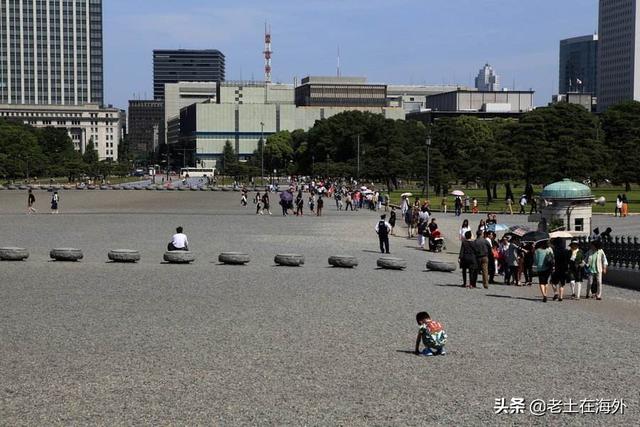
(95, 342)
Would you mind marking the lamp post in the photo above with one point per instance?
(358, 176)
(262, 150)
(428, 142)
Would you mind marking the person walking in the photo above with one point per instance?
(392, 220)
(510, 254)
(464, 229)
(597, 264)
(523, 205)
(528, 256)
(458, 206)
(383, 228)
(560, 269)
(348, 203)
(576, 268)
(491, 264)
(55, 200)
(422, 233)
(482, 249)
(468, 261)
(509, 205)
(257, 200)
(299, 204)
(443, 205)
(625, 206)
(467, 204)
(474, 208)
(320, 205)
(618, 209)
(266, 203)
(543, 261)
(31, 203)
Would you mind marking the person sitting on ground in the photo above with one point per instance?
(179, 241)
(432, 335)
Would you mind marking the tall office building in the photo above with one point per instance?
(578, 65)
(173, 66)
(618, 52)
(51, 52)
(487, 80)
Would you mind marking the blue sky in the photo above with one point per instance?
(391, 41)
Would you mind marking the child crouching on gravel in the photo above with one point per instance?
(432, 335)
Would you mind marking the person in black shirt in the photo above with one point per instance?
(383, 228)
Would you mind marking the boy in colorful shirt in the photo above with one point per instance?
(432, 335)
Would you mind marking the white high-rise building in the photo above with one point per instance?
(618, 52)
(51, 52)
(487, 80)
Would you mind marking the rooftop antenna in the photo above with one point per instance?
(338, 74)
(267, 53)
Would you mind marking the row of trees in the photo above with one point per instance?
(27, 152)
(544, 145)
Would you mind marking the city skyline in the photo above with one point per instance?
(399, 43)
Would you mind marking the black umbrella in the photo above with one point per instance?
(535, 236)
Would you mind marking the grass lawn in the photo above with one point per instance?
(610, 194)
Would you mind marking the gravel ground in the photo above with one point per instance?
(100, 343)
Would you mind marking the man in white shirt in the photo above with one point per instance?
(179, 241)
(383, 228)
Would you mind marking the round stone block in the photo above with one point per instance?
(289, 260)
(183, 188)
(138, 187)
(66, 254)
(12, 187)
(389, 263)
(343, 261)
(13, 254)
(225, 189)
(151, 187)
(447, 267)
(66, 187)
(127, 187)
(124, 255)
(233, 258)
(105, 187)
(194, 188)
(91, 187)
(2, 187)
(23, 187)
(179, 257)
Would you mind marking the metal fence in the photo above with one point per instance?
(622, 252)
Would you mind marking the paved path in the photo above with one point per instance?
(100, 343)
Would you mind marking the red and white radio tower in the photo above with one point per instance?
(267, 53)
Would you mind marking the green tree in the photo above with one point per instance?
(229, 159)
(621, 126)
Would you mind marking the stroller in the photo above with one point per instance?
(436, 242)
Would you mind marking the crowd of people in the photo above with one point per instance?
(518, 262)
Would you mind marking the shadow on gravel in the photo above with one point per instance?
(510, 297)
(451, 286)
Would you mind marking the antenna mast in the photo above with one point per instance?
(267, 53)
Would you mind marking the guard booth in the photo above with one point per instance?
(568, 204)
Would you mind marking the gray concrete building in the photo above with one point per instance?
(244, 112)
(90, 122)
(586, 100)
(578, 65)
(618, 52)
(186, 65)
(413, 98)
(480, 101)
(340, 91)
(51, 52)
